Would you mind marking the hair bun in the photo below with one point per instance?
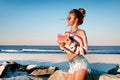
(82, 11)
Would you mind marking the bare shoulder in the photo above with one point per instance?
(81, 32)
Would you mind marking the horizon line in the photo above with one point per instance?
(47, 45)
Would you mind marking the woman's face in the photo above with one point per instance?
(71, 19)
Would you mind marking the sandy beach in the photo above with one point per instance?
(92, 58)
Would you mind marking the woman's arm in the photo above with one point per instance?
(82, 44)
(81, 39)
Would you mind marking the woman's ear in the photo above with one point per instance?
(76, 20)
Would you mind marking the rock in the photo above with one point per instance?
(58, 75)
(46, 71)
(31, 67)
(115, 70)
(92, 77)
(118, 69)
(5, 63)
(2, 69)
(21, 78)
(21, 68)
(13, 66)
(36, 79)
(109, 77)
(12, 63)
(52, 67)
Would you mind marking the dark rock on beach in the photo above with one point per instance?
(47, 71)
(2, 70)
(13, 66)
(15, 71)
(21, 78)
(114, 70)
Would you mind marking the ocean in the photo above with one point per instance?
(7, 49)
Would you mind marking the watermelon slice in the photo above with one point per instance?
(62, 37)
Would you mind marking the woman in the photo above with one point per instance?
(76, 46)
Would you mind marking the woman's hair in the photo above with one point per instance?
(79, 13)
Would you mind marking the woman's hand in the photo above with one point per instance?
(61, 44)
(68, 42)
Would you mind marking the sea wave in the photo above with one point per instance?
(9, 50)
(39, 50)
(28, 50)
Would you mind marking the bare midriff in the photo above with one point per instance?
(71, 55)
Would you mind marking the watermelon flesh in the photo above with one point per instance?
(62, 37)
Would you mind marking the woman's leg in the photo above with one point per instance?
(80, 74)
(69, 76)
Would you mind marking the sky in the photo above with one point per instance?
(37, 22)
